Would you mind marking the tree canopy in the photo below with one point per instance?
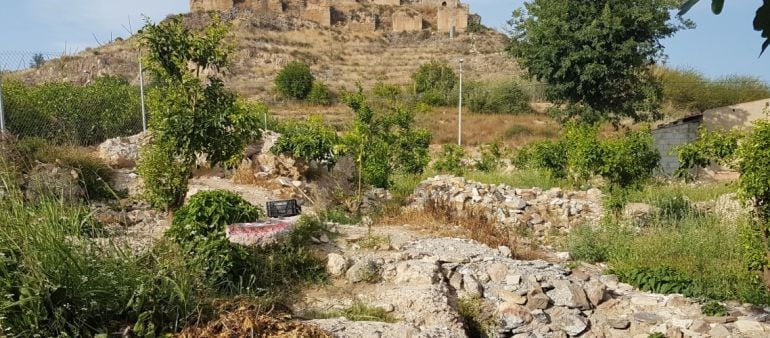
(595, 56)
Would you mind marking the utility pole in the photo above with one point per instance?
(141, 92)
(460, 108)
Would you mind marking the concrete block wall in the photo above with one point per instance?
(667, 138)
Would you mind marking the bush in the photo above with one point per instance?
(498, 98)
(295, 80)
(490, 157)
(200, 228)
(546, 155)
(711, 147)
(689, 90)
(450, 160)
(309, 140)
(714, 309)
(434, 82)
(320, 94)
(64, 113)
(165, 177)
(583, 246)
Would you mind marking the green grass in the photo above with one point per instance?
(478, 316)
(358, 312)
(698, 247)
(695, 193)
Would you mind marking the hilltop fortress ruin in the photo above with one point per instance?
(445, 16)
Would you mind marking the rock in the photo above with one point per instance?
(564, 256)
(515, 203)
(513, 280)
(541, 316)
(747, 326)
(565, 293)
(472, 286)
(297, 184)
(47, 179)
(596, 292)
(619, 323)
(513, 316)
(456, 281)
(700, 326)
(644, 300)
(511, 297)
(720, 320)
(674, 332)
(536, 299)
(639, 214)
(336, 264)
(730, 208)
(417, 273)
(122, 152)
(719, 331)
(505, 251)
(497, 272)
(646, 317)
(363, 270)
(569, 320)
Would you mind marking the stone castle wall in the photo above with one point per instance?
(402, 16)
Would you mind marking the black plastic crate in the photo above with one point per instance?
(278, 209)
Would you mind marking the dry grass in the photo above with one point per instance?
(244, 319)
(443, 220)
(514, 130)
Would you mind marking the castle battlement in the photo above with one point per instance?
(361, 15)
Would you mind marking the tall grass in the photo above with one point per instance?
(680, 243)
(689, 90)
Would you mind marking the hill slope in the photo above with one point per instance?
(341, 58)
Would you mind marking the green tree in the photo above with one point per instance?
(310, 140)
(192, 115)
(761, 20)
(595, 56)
(295, 80)
(38, 60)
(434, 81)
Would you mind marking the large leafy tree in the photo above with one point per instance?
(761, 20)
(595, 56)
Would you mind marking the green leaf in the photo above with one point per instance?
(717, 6)
(687, 6)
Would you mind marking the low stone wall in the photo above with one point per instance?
(542, 212)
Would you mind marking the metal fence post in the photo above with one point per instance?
(2, 112)
(141, 92)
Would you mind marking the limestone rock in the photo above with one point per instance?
(639, 214)
(336, 264)
(570, 321)
(48, 179)
(363, 270)
(513, 316)
(497, 272)
(122, 152)
(596, 292)
(417, 272)
(569, 294)
(536, 299)
(619, 323)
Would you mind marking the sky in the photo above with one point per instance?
(720, 45)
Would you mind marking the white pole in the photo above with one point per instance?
(141, 91)
(460, 109)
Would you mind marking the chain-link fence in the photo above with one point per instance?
(61, 112)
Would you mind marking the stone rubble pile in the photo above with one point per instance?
(122, 152)
(421, 283)
(543, 212)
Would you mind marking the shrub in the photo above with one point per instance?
(310, 140)
(711, 147)
(320, 94)
(165, 177)
(478, 316)
(433, 82)
(450, 160)
(583, 245)
(629, 160)
(689, 90)
(661, 279)
(547, 155)
(383, 144)
(490, 157)
(295, 80)
(714, 308)
(64, 113)
(498, 98)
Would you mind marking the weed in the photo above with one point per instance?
(714, 308)
(478, 317)
(656, 335)
(373, 242)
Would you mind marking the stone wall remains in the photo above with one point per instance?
(407, 21)
(452, 19)
(535, 210)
